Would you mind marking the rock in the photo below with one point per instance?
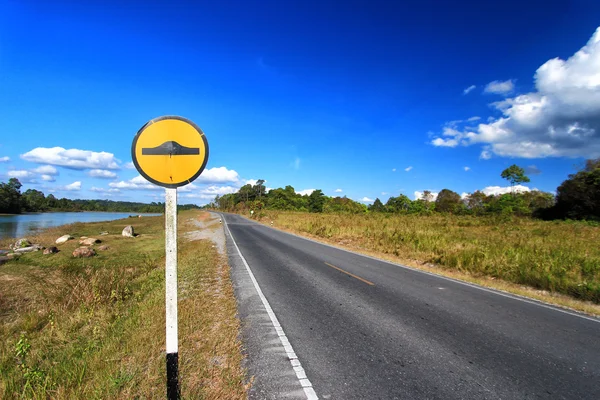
(128, 231)
(29, 249)
(89, 241)
(20, 244)
(83, 237)
(63, 239)
(103, 233)
(12, 255)
(84, 252)
(103, 247)
(51, 250)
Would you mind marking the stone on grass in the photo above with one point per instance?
(63, 239)
(84, 252)
(128, 231)
(20, 243)
(89, 241)
(103, 233)
(29, 249)
(103, 247)
(51, 250)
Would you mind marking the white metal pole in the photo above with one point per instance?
(171, 292)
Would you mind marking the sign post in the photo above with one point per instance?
(170, 151)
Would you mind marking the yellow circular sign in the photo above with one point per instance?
(170, 151)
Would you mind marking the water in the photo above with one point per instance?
(21, 225)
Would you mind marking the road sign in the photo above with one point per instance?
(170, 151)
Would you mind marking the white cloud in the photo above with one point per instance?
(384, 193)
(495, 190)
(498, 87)
(532, 170)
(137, 183)
(129, 165)
(306, 192)
(296, 163)
(103, 190)
(338, 190)
(47, 178)
(46, 170)
(408, 168)
(366, 200)
(22, 175)
(4, 159)
(102, 173)
(473, 119)
(209, 193)
(75, 186)
(71, 158)
(393, 169)
(467, 168)
(469, 89)
(561, 118)
(419, 195)
(218, 175)
(485, 155)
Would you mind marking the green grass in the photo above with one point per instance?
(562, 257)
(94, 328)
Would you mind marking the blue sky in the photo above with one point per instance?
(373, 98)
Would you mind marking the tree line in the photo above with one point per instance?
(578, 197)
(12, 201)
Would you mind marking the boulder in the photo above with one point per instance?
(84, 252)
(51, 250)
(103, 233)
(89, 241)
(20, 243)
(63, 239)
(103, 247)
(128, 231)
(28, 249)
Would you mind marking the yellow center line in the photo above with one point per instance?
(352, 275)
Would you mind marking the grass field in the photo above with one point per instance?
(94, 328)
(559, 257)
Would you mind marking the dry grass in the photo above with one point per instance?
(94, 328)
(557, 262)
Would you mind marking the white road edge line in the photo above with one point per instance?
(494, 291)
(295, 362)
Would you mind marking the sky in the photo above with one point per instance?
(365, 99)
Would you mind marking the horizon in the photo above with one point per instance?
(367, 101)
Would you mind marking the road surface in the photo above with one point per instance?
(368, 329)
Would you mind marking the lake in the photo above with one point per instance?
(21, 225)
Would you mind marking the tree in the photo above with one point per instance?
(476, 202)
(10, 196)
(259, 188)
(377, 206)
(34, 200)
(448, 201)
(398, 204)
(579, 196)
(514, 174)
(427, 196)
(316, 200)
(247, 193)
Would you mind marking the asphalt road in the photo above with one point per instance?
(398, 333)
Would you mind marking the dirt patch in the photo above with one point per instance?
(209, 227)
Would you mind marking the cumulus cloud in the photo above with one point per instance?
(532, 170)
(218, 175)
(366, 200)
(469, 89)
(306, 192)
(338, 190)
(498, 87)
(137, 183)
(561, 118)
(105, 191)
(209, 192)
(4, 159)
(129, 165)
(72, 158)
(408, 168)
(495, 190)
(467, 168)
(22, 175)
(72, 187)
(473, 119)
(102, 173)
(419, 195)
(46, 170)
